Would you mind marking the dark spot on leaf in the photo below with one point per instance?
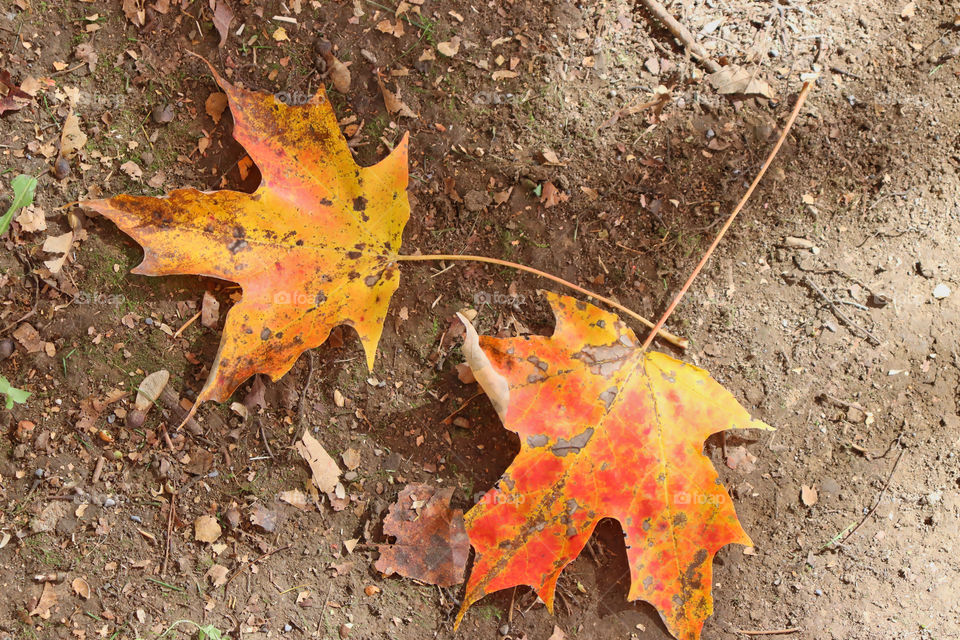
(354, 255)
(326, 202)
(359, 203)
(265, 334)
(371, 280)
(538, 440)
(573, 445)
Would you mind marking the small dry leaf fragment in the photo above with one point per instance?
(81, 588)
(557, 634)
(395, 106)
(16, 97)
(48, 600)
(132, 169)
(215, 104)
(150, 389)
(32, 219)
(551, 196)
(29, 338)
(72, 138)
(324, 469)
(263, 518)
(338, 71)
(733, 80)
(209, 310)
(296, 498)
(431, 542)
(222, 17)
(351, 459)
(217, 575)
(85, 53)
(280, 35)
(371, 590)
(450, 48)
(809, 495)
(908, 11)
(740, 459)
(206, 529)
(503, 74)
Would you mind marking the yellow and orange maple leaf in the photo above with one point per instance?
(313, 247)
(606, 430)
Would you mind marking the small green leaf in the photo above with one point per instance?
(209, 632)
(24, 187)
(13, 395)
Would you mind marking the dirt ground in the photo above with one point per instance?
(818, 311)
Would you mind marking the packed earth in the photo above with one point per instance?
(588, 141)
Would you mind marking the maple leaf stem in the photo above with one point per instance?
(723, 230)
(666, 335)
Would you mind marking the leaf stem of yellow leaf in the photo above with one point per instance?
(743, 201)
(666, 335)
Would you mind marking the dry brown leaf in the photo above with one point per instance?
(57, 244)
(206, 529)
(222, 17)
(215, 105)
(551, 196)
(72, 139)
(809, 495)
(150, 389)
(431, 541)
(81, 588)
(323, 468)
(209, 310)
(48, 599)
(32, 219)
(736, 80)
(394, 104)
(296, 498)
(450, 48)
(217, 575)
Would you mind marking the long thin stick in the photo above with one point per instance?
(775, 632)
(666, 335)
(877, 503)
(726, 225)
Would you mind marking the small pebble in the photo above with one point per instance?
(61, 168)
(136, 519)
(38, 473)
(109, 502)
(287, 628)
(818, 592)
(504, 629)
(149, 321)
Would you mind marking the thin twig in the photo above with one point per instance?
(774, 632)
(166, 549)
(682, 34)
(463, 406)
(666, 335)
(836, 310)
(877, 503)
(743, 201)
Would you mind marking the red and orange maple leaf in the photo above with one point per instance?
(606, 430)
(313, 247)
